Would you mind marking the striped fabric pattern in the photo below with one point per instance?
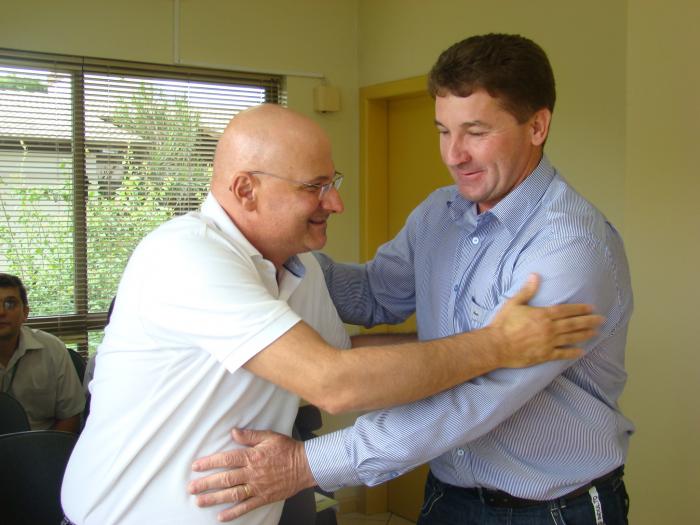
(536, 433)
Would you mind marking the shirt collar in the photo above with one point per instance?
(515, 207)
(217, 216)
(26, 342)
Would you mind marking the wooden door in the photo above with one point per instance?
(401, 166)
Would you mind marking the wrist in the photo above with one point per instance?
(495, 344)
(305, 477)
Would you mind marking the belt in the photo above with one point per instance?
(499, 498)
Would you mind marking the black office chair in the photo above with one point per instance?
(300, 509)
(13, 418)
(78, 363)
(32, 470)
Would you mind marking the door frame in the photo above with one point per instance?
(374, 195)
(374, 179)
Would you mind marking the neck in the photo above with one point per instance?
(7, 349)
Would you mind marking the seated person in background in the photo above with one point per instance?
(35, 366)
(222, 320)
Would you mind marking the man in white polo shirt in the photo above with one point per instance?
(219, 323)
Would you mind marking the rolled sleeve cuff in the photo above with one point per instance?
(329, 461)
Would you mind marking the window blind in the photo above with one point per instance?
(94, 154)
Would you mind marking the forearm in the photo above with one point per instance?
(375, 376)
(379, 376)
(381, 339)
(384, 444)
(372, 377)
(71, 424)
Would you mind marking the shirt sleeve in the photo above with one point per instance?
(316, 307)
(197, 291)
(381, 291)
(384, 444)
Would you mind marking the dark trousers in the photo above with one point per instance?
(448, 505)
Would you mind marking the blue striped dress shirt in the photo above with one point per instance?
(536, 433)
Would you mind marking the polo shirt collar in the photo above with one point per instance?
(212, 210)
(514, 208)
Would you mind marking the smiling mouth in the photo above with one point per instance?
(467, 174)
(318, 222)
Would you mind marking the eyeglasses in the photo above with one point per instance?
(9, 304)
(321, 189)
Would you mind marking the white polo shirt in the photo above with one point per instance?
(196, 302)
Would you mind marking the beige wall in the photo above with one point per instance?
(662, 231)
(301, 37)
(625, 131)
(402, 38)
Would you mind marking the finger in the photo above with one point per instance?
(249, 437)
(561, 311)
(527, 291)
(235, 494)
(574, 324)
(228, 458)
(242, 508)
(574, 337)
(220, 480)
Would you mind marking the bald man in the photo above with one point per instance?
(223, 320)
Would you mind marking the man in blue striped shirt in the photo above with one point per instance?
(529, 446)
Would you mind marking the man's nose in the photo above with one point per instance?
(332, 201)
(456, 152)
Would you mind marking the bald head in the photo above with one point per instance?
(268, 138)
(268, 168)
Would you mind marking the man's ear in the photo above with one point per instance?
(539, 126)
(244, 190)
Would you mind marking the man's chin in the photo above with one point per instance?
(8, 335)
(316, 242)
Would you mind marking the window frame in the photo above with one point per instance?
(74, 328)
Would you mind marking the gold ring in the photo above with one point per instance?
(247, 490)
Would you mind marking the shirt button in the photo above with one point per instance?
(475, 240)
(460, 452)
(455, 288)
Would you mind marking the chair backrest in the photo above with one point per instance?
(300, 509)
(13, 418)
(308, 419)
(32, 470)
(78, 363)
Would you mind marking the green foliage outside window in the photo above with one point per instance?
(163, 173)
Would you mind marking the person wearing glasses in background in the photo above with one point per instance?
(223, 319)
(541, 445)
(35, 367)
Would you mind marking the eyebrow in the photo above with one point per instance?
(468, 124)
